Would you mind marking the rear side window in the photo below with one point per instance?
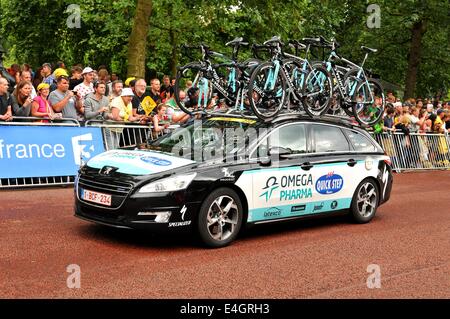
(360, 142)
(329, 139)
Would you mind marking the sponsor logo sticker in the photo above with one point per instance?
(298, 208)
(272, 212)
(329, 184)
(155, 161)
(334, 204)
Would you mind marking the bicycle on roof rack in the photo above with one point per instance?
(211, 91)
(287, 80)
(353, 91)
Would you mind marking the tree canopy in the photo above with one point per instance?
(413, 36)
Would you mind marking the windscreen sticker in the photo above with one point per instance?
(138, 162)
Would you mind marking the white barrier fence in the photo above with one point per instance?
(416, 151)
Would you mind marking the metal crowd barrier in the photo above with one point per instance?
(124, 134)
(416, 151)
(37, 181)
(407, 152)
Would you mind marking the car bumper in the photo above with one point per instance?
(167, 212)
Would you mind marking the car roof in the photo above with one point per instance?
(295, 117)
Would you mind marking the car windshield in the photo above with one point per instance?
(212, 138)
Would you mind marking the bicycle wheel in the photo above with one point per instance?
(317, 91)
(368, 102)
(266, 92)
(297, 77)
(197, 98)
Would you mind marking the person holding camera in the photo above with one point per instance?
(65, 101)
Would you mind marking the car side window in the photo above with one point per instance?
(360, 142)
(329, 139)
(291, 137)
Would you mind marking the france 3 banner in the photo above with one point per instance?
(46, 151)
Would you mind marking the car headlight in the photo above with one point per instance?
(169, 184)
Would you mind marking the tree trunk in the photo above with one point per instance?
(137, 43)
(418, 30)
(173, 41)
(174, 53)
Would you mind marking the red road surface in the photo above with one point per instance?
(409, 239)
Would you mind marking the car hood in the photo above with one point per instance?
(138, 162)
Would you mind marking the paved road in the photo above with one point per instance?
(409, 240)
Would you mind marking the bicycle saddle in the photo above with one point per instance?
(367, 49)
(236, 41)
(274, 39)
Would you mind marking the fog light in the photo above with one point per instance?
(160, 217)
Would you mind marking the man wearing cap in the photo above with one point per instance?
(86, 86)
(5, 101)
(47, 73)
(58, 73)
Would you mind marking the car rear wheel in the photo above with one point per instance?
(365, 201)
(220, 218)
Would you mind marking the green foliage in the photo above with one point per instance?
(35, 31)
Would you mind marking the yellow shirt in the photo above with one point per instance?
(125, 111)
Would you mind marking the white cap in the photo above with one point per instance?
(87, 70)
(127, 92)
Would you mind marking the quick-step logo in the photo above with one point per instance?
(329, 184)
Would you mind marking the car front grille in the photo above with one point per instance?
(118, 190)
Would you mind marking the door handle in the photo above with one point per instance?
(351, 162)
(306, 166)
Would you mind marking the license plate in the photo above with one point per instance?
(96, 197)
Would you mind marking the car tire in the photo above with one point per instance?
(220, 218)
(365, 202)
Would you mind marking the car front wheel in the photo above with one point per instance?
(220, 218)
(365, 202)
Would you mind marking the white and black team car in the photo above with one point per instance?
(216, 175)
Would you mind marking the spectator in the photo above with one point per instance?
(103, 76)
(117, 87)
(176, 115)
(47, 76)
(143, 104)
(58, 73)
(416, 122)
(96, 104)
(388, 124)
(5, 101)
(155, 87)
(426, 124)
(86, 86)
(114, 77)
(121, 107)
(128, 81)
(14, 71)
(26, 76)
(21, 99)
(390, 98)
(40, 106)
(439, 126)
(166, 89)
(76, 77)
(160, 119)
(398, 112)
(60, 65)
(447, 121)
(38, 77)
(65, 101)
(429, 108)
(27, 67)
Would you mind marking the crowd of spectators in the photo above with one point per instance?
(87, 94)
(416, 116)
